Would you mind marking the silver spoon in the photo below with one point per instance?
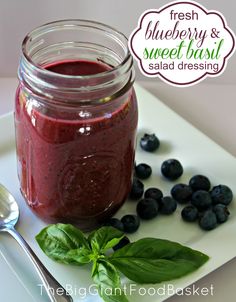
(9, 214)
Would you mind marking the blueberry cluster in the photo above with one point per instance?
(153, 201)
(150, 204)
(207, 206)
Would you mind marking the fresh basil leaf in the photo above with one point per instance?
(81, 255)
(105, 238)
(151, 260)
(64, 243)
(108, 282)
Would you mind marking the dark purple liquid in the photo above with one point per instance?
(76, 170)
(78, 68)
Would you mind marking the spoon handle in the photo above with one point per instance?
(54, 290)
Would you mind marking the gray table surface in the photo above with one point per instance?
(212, 109)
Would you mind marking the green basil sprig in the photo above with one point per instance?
(148, 260)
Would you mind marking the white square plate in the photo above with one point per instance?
(179, 139)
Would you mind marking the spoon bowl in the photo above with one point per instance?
(9, 210)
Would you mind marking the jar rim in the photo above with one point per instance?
(72, 23)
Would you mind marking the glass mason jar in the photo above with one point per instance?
(76, 119)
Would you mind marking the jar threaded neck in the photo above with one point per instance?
(76, 40)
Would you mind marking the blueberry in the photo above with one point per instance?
(189, 213)
(131, 223)
(153, 193)
(222, 212)
(201, 200)
(149, 142)
(167, 205)
(182, 193)
(208, 220)
(221, 194)
(115, 223)
(172, 169)
(147, 208)
(124, 241)
(143, 171)
(200, 182)
(137, 189)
